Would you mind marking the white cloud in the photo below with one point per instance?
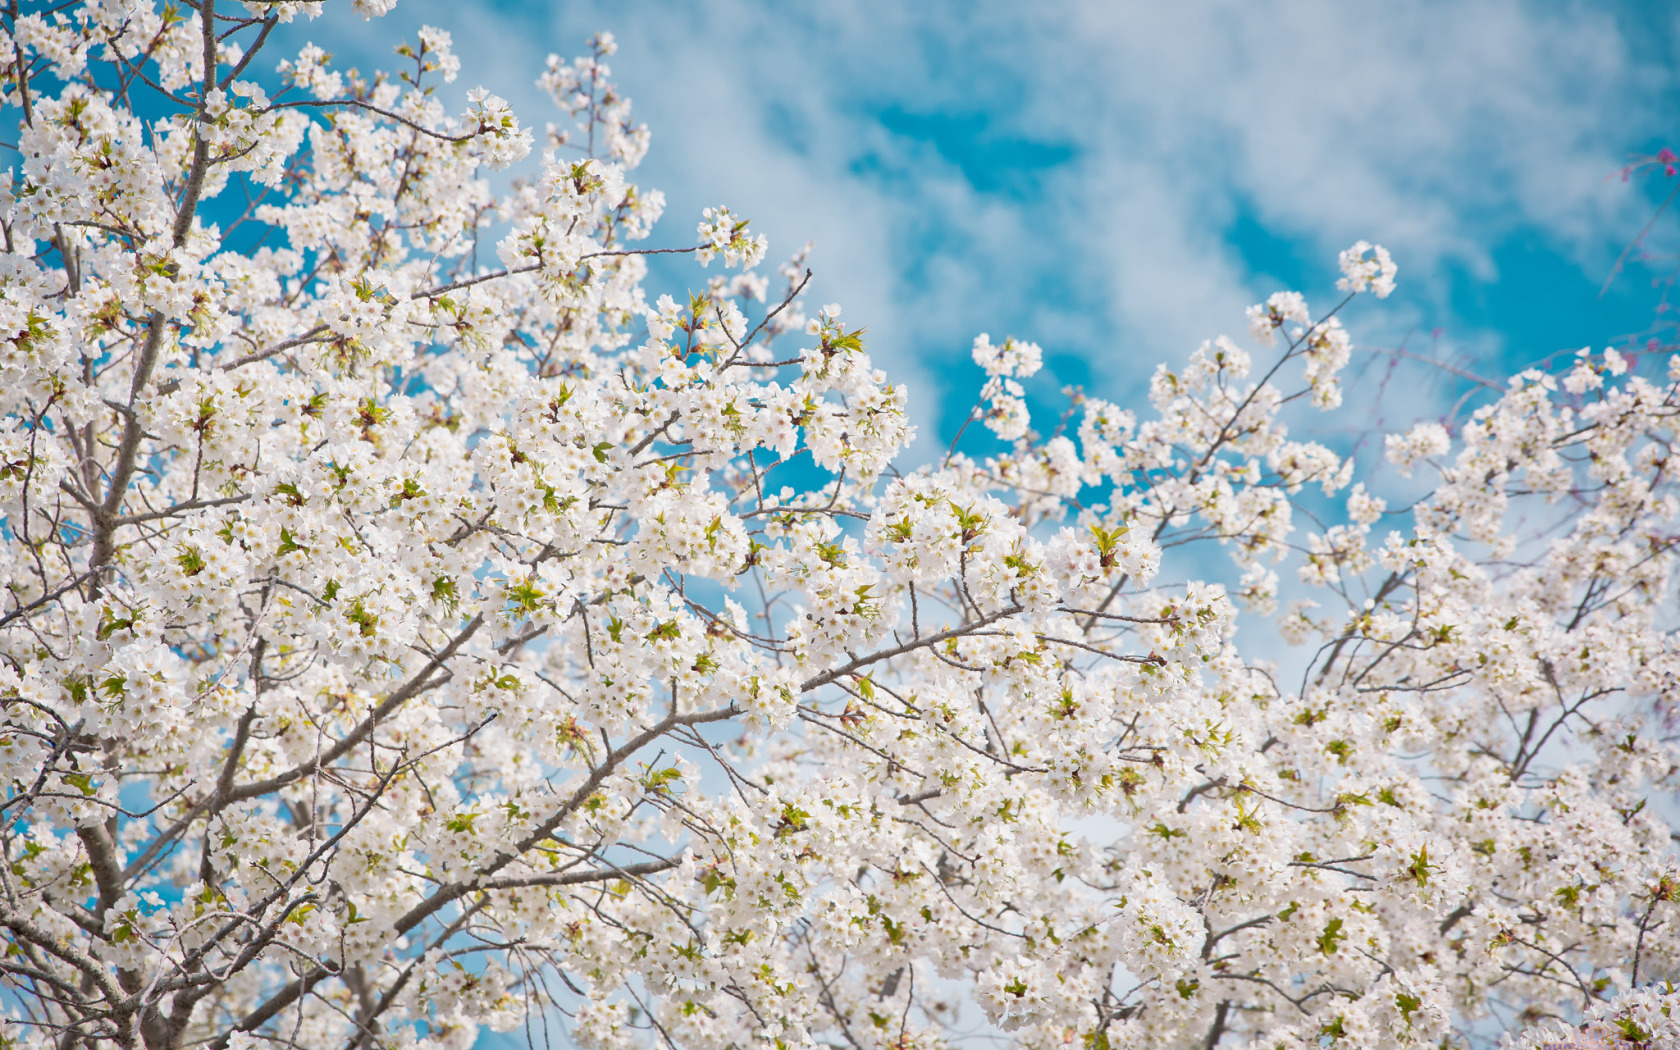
(1425, 121)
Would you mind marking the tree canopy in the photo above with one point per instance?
(414, 625)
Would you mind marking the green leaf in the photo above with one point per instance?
(288, 544)
(443, 592)
(190, 561)
(365, 621)
(1632, 1032)
(526, 597)
(1419, 868)
(852, 341)
(293, 494)
(1332, 934)
(109, 624)
(1408, 1004)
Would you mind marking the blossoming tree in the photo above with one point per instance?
(396, 644)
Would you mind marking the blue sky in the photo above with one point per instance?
(1116, 181)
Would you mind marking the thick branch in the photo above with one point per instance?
(408, 691)
(456, 890)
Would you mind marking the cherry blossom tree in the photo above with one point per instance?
(413, 626)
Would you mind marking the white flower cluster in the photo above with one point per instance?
(1361, 274)
(583, 89)
(722, 233)
(1004, 406)
(395, 647)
